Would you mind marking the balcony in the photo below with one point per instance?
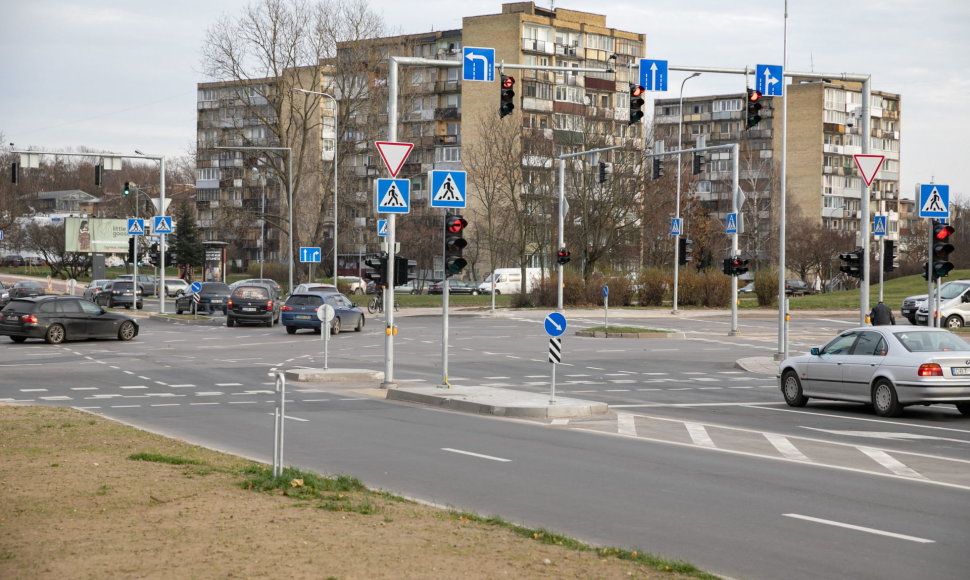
(447, 113)
(447, 140)
(533, 45)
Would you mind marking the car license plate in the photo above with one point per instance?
(302, 317)
(217, 301)
(959, 371)
(249, 310)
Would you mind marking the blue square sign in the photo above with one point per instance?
(934, 200)
(393, 195)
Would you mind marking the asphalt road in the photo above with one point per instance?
(699, 460)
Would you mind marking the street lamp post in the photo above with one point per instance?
(262, 222)
(335, 136)
(161, 213)
(680, 139)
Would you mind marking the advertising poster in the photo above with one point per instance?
(95, 235)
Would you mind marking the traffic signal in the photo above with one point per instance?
(853, 263)
(562, 256)
(699, 163)
(685, 246)
(127, 190)
(753, 111)
(376, 269)
(735, 266)
(154, 254)
(728, 266)
(889, 255)
(131, 250)
(13, 172)
(401, 270)
(636, 103)
(603, 167)
(926, 271)
(941, 248)
(454, 244)
(658, 168)
(505, 96)
(98, 174)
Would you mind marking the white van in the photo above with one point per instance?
(509, 280)
(954, 308)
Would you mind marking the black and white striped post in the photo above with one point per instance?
(555, 357)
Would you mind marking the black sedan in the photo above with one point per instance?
(59, 318)
(455, 287)
(212, 296)
(27, 288)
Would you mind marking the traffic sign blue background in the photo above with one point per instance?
(308, 254)
(136, 227)
(382, 227)
(196, 286)
(555, 324)
(162, 224)
(675, 226)
(931, 197)
(769, 80)
(477, 64)
(438, 179)
(653, 74)
(385, 203)
(732, 223)
(879, 225)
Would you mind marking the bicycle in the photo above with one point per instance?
(376, 304)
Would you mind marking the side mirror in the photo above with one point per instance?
(815, 351)
(966, 297)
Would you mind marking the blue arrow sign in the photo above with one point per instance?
(879, 225)
(196, 286)
(382, 227)
(653, 74)
(162, 224)
(393, 195)
(555, 324)
(934, 201)
(478, 64)
(769, 80)
(732, 223)
(136, 227)
(308, 254)
(675, 226)
(448, 189)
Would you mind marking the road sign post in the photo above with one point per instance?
(555, 325)
(325, 313)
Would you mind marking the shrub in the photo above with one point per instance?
(766, 287)
(273, 270)
(654, 286)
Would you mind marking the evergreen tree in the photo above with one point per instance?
(185, 243)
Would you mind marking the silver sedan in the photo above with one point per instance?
(888, 366)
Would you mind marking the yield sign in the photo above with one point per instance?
(869, 165)
(394, 155)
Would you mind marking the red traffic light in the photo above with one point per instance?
(456, 224)
(637, 90)
(508, 82)
(753, 95)
(943, 232)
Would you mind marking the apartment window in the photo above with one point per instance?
(453, 129)
(722, 105)
(570, 94)
(568, 122)
(446, 154)
(630, 47)
(453, 74)
(452, 100)
(208, 173)
(599, 42)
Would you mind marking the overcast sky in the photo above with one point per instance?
(120, 75)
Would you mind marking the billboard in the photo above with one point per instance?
(95, 235)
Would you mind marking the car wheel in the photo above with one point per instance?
(884, 399)
(964, 408)
(791, 387)
(497, 291)
(225, 312)
(178, 309)
(269, 323)
(911, 320)
(18, 338)
(55, 334)
(335, 327)
(360, 324)
(140, 305)
(358, 291)
(954, 321)
(290, 330)
(474, 292)
(126, 331)
(230, 322)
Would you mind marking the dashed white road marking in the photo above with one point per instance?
(698, 434)
(861, 528)
(785, 447)
(891, 463)
(625, 424)
(489, 457)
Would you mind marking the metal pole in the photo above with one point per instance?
(680, 139)
(736, 154)
(561, 240)
(782, 206)
(289, 190)
(262, 227)
(864, 198)
(135, 283)
(389, 329)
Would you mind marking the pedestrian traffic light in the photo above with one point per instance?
(505, 96)
(562, 256)
(127, 190)
(658, 168)
(853, 263)
(926, 271)
(131, 250)
(376, 269)
(603, 169)
(684, 255)
(13, 172)
(941, 249)
(699, 163)
(753, 111)
(454, 244)
(636, 103)
(889, 255)
(98, 173)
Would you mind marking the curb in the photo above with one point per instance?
(587, 334)
(169, 319)
(330, 376)
(498, 402)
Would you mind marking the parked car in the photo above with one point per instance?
(173, 286)
(954, 305)
(455, 287)
(147, 282)
(314, 287)
(356, 284)
(795, 287)
(4, 294)
(12, 260)
(412, 287)
(253, 303)
(34, 261)
(248, 281)
(119, 293)
(889, 367)
(212, 296)
(747, 289)
(27, 288)
(300, 311)
(59, 318)
(94, 286)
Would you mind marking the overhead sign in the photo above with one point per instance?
(394, 155)
(136, 227)
(393, 195)
(478, 64)
(934, 201)
(310, 254)
(769, 80)
(675, 226)
(879, 225)
(448, 189)
(162, 224)
(382, 228)
(555, 324)
(732, 223)
(869, 166)
(653, 74)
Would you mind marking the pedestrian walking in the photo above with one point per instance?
(881, 315)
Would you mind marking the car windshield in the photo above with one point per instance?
(251, 292)
(214, 287)
(305, 300)
(952, 290)
(924, 341)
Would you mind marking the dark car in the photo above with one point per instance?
(93, 288)
(4, 294)
(27, 288)
(795, 287)
(253, 303)
(300, 311)
(212, 296)
(455, 287)
(119, 293)
(59, 318)
(12, 260)
(249, 281)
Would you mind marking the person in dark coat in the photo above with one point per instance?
(881, 315)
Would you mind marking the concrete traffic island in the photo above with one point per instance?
(497, 401)
(332, 376)
(601, 334)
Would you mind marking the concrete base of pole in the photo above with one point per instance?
(779, 356)
(734, 333)
(675, 311)
(390, 385)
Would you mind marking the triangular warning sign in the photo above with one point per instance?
(869, 165)
(394, 155)
(392, 198)
(934, 203)
(448, 191)
(135, 227)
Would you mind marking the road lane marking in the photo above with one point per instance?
(84, 388)
(625, 424)
(890, 463)
(165, 405)
(33, 390)
(55, 398)
(785, 447)
(228, 384)
(698, 434)
(860, 528)
(490, 457)
(134, 387)
(181, 386)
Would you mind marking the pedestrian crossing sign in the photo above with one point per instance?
(136, 227)
(732, 223)
(382, 227)
(934, 200)
(879, 225)
(393, 195)
(448, 189)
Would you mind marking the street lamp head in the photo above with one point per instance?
(138, 152)
(697, 74)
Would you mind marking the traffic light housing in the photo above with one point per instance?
(13, 172)
(658, 168)
(604, 166)
(506, 95)
(454, 244)
(127, 189)
(376, 269)
(889, 255)
(131, 250)
(728, 267)
(154, 254)
(401, 270)
(853, 263)
(735, 266)
(699, 163)
(686, 247)
(753, 109)
(636, 103)
(98, 174)
(941, 248)
(563, 256)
